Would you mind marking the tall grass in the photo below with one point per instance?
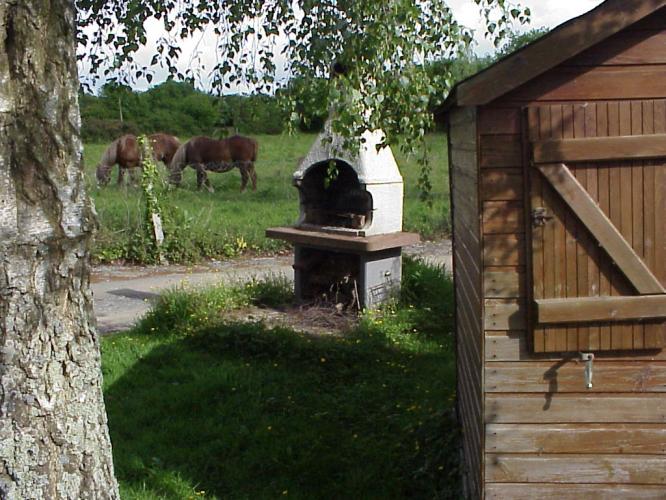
(202, 406)
(227, 222)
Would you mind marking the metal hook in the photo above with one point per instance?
(588, 357)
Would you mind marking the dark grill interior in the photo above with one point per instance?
(339, 202)
(329, 277)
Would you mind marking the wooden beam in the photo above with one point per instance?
(360, 244)
(504, 314)
(600, 148)
(605, 83)
(610, 239)
(567, 376)
(623, 438)
(564, 42)
(527, 491)
(512, 345)
(586, 309)
(568, 468)
(573, 408)
(504, 284)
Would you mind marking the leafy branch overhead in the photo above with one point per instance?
(381, 46)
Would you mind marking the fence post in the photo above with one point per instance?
(149, 179)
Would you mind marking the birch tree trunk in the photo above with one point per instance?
(54, 440)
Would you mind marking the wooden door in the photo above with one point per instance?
(597, 181)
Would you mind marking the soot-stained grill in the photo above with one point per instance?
(340, 204)
(348, 238)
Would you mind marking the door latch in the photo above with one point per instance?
(540, 216)
(588, 358)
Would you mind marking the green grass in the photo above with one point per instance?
(227, 222)
(200, 406)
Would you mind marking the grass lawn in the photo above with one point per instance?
(201, 406)
(227, 222)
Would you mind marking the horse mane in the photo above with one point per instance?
(111, 154)
(178, 163)
(179, 158)
(107, 162)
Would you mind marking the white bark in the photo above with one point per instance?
(54, 440)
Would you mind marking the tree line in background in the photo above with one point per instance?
(180, 109)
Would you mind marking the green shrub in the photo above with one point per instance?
(106, 130)
(171, 107)
(257, 114)
(273, 291)
(428, 288)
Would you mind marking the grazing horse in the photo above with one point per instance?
(203, 153)
(126, 153)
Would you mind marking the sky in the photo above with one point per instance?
(545, 13)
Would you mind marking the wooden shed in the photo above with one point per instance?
(558, 186)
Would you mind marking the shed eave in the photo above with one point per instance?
(570, 38)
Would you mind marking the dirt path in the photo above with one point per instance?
(124, 293)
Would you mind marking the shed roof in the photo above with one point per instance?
(562, 43)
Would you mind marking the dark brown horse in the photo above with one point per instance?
(125, 152)
(203, 153)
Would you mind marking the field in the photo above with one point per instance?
(203, 406)
(227, 223)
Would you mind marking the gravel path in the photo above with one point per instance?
(124, 293)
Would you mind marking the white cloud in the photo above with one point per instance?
(545, 13)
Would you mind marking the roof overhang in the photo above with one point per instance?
(559, 45)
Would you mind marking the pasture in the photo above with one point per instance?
(227, 223)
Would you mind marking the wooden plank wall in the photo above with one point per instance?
(467, 276)
(626, 192)
(546, 436)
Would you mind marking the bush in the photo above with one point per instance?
(171, 107)
(105, 130)
(311, 98)
(257, 114)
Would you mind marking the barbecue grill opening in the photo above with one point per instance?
(340, 201)
(328, 277)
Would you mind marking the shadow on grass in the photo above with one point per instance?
(243, 411)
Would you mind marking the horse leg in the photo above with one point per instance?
(253, 176)
(121, 175)
(176, 175)
(135, 175)
(202, 178)
(244, 176)
(201, 175)
(209, 187)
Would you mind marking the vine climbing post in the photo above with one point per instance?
(149, 182)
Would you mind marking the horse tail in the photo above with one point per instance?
(251, 171)
(170, 145)
(107, 162)
(255, 153)
(178, 163)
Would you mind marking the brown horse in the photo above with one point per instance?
(126, 153)
(203, 153)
